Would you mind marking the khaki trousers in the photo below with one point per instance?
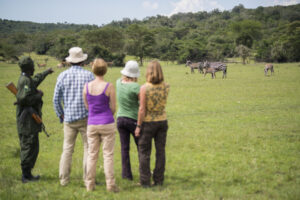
(70, 133)
(97, 134)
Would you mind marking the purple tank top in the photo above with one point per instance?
(99, 111)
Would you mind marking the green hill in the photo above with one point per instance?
(269, 34)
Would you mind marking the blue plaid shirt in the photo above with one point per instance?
(68, 91)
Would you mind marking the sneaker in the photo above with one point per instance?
(113, 189)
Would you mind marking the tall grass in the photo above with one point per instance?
(237, 138)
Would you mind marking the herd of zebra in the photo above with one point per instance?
(213, 67)
(208, 67)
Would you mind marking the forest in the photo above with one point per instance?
(264, 34)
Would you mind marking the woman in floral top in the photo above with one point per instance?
(152, 124)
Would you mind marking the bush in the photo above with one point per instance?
(118, 59)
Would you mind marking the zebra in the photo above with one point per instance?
(213, 67)
(198, 65)
(268, 67)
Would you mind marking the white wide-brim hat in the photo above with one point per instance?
(131, 69)
(76, 55)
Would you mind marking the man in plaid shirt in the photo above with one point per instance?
(68, 91)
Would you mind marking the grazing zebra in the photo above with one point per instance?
(193, 66)
(268, 67)
(213, 67)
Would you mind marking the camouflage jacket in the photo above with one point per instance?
(29, 97)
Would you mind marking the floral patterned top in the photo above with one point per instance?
(156, 99)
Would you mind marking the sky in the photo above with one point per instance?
(101, 12)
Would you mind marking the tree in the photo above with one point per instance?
(263, 51)
(62, 45)
(8, 52)
(42, 43)
(278, 52)
(243, 52)
(191, 50)
(246, 31)
(98, 51)
(140, 42)
(292, 41)
(238, 9)
(108, 37)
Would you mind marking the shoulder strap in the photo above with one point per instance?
(105, 87)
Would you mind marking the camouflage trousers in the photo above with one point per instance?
(29, 150)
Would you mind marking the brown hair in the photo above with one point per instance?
(99, 67)
(154, 73)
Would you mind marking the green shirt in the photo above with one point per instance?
(127, 99)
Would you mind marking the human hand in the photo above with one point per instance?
(50, 70)
(137, 132)
(61, 118)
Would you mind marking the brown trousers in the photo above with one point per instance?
(158, 132)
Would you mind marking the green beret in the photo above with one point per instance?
(26, 63)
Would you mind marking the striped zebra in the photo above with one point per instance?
(213, 67)
(268, 67)
(197, 65)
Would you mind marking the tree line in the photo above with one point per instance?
(269, 34)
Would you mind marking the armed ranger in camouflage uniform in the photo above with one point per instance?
(29, 101)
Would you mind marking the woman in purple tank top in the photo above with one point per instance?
(100, 100)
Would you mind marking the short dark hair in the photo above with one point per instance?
(79, 64)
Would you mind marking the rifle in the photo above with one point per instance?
(11, 87)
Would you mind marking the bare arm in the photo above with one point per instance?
(84, 96)
(142, 110)
(112, 98)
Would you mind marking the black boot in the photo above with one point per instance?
(25, 175)
(28, 177)
(33, 178)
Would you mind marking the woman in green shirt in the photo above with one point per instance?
(128, 104)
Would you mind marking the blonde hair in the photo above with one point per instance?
(99, 67)
(154, 73)
(127, 78)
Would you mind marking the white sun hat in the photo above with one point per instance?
(131, 69)
(76, 55)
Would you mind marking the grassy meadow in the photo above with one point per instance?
(237, 138)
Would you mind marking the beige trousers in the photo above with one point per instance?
(97, 134)
(70, 133)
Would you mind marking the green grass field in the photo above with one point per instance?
(237, 138)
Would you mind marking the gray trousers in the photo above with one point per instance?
(158, 132)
